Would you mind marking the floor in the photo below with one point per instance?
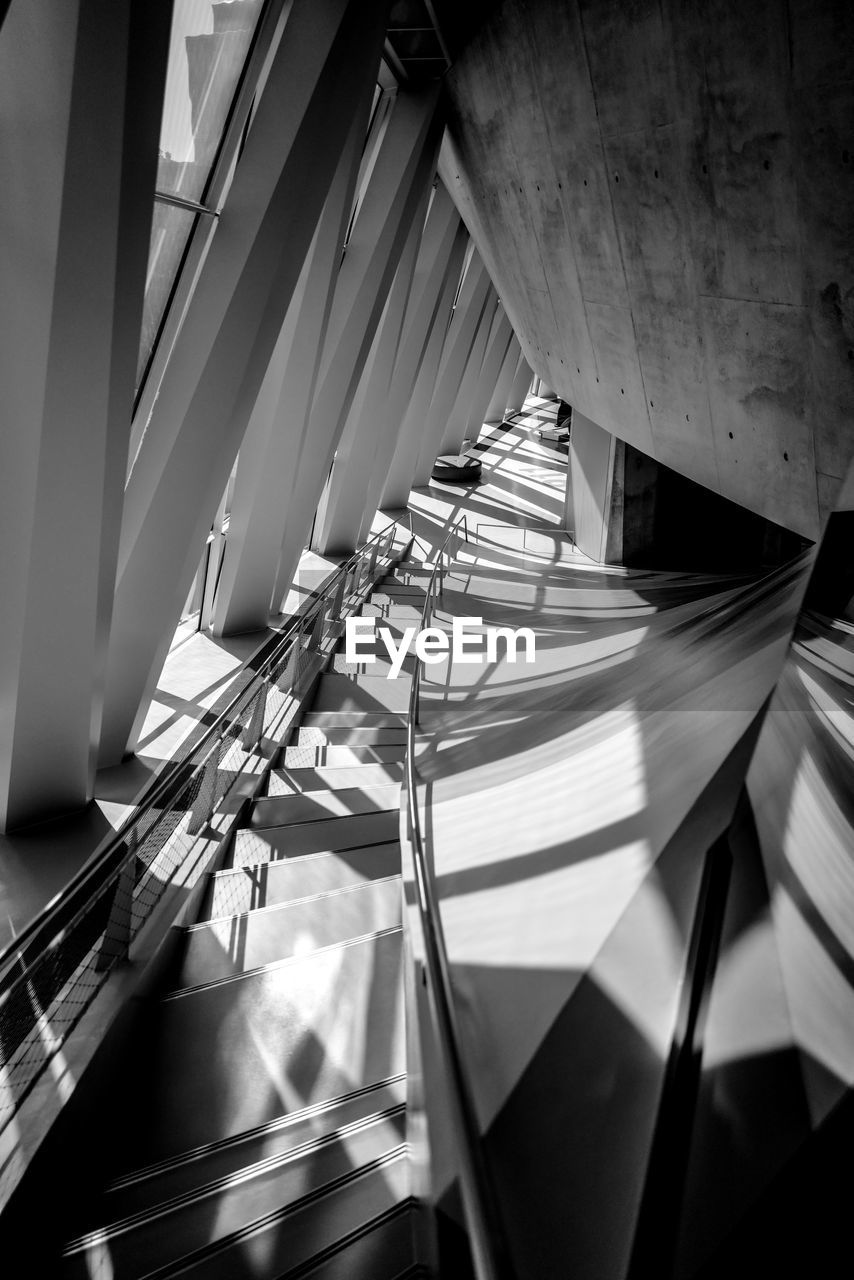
(567, 822)
(550, 806)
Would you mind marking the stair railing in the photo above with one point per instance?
(489, 1251)
(54, 968)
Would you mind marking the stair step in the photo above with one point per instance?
(409, 613)
(158, 1184)
(350, 718)
(269, 843)
(381, 665)
(380, 1250)
(356, 695)
(307, 757)
(369, 1221)
(237, 943)
(286, 782)
(350, 735)
(311, 806)
(271, 883)
(162, 1239)
(221, 1059)
(408, 593)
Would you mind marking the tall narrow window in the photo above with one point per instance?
(209, 46)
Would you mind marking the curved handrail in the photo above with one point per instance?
(490, 1255)
(60, 912)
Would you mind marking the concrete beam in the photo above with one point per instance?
(404, 166)
(342, 508)
(265, 467)
(520, 388)
(493, 360)
(401, 471)
(321, 76)
(497, 406)
(81, 88)
(431, 269)
(457, 424)
(459, 340)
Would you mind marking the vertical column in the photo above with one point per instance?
(592, 454)
(398, 482)
(81, 90)
(338, 522)
(499, 341)
(405, 163)
(498, 402)
(431, 269)
(520, 388)
(455, 428)
(322, 75)
(455, 355)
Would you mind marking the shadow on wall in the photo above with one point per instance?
(661, 519)
(768, 1188)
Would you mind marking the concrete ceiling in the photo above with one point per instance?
(662, 193)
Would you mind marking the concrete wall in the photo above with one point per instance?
(591, 467)
(624, 507)
(662, 195)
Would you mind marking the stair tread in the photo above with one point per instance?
(371, 692)
(347, 735)
(290, 1137)
(245, 888)
(262, 844)
(342, 755)
(357, 1218)
(302, 780)
(268, 1191)
(241, 942)
(222, 1058)
(355, 718)
(311, 806)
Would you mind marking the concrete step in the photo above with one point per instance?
(337, 718)
(308, 757)
(410, 614)
(368, 1218)
(198, 1227)
(355, 735)
(218, 1060)
(163, 1183)
(372, 692)
(237, 943)
(381, 666)
(247, 888)
(400, 593)
(269, 843)
(287, 782)
(383, 1250)
(313, 806)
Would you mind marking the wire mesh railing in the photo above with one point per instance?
(55, 968)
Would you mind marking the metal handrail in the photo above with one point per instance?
(60, 912)
(489, 1251)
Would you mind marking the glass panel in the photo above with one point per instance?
(208, 48)
(170, 231)
(209, 45)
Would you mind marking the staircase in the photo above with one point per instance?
(267, 1134)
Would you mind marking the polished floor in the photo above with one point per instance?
(568, 821)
